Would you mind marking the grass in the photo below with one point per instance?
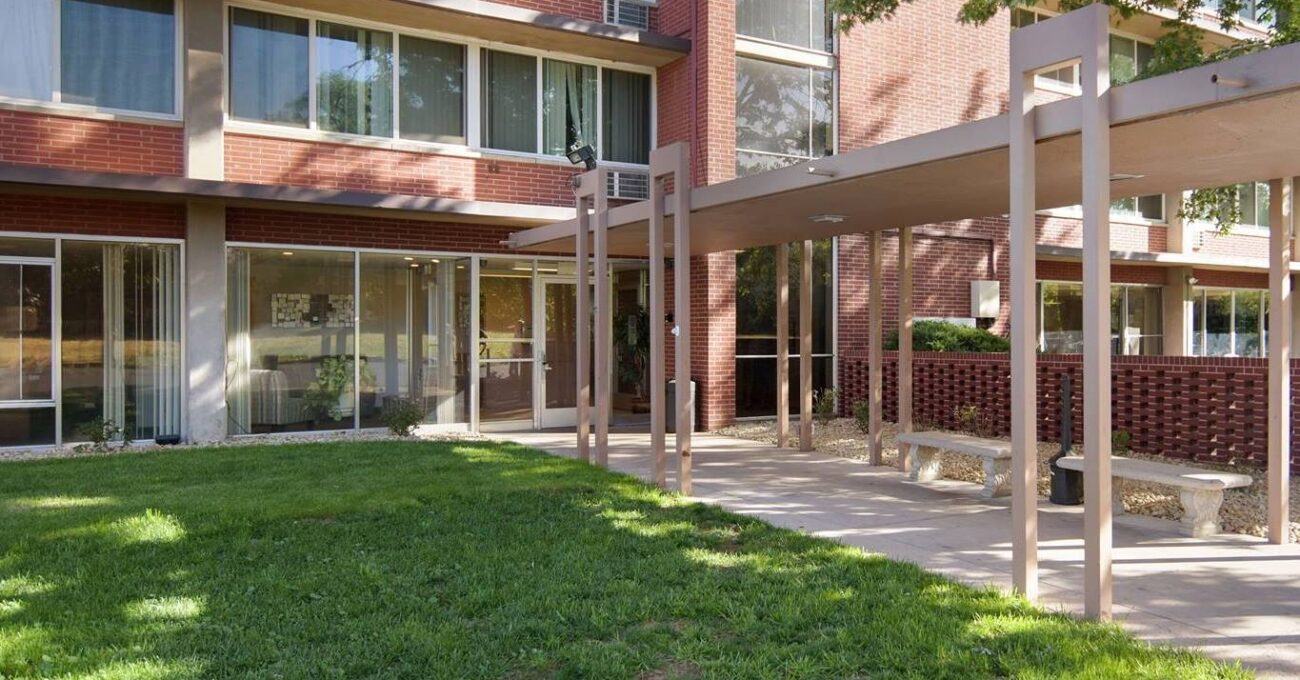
(475, 560)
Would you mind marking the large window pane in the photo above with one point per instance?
(1062, 317)
(27, 427)
(756, 299)
(756, 384)
(415, 336)
(782, 111)
(432, 76)
(26, 332)
(509, 101)
(626, 111)
(290, 319)
(568, 106)
(121, 338)
(354, 91)
(505, 340)
(1143, 321)
(803, 23)
(268, 67)
(1249, 311)
(26, 48)
(119, 54)
(1218, 323)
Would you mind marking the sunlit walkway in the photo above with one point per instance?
(1235, 597)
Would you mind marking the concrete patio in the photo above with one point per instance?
(1234, 597)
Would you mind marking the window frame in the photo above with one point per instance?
(1199, 293)
(57, 105)
(473, 95)
(789, 55)
(1038, 292)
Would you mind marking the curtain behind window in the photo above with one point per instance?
(569, 113)
(354, 91)
(119, 54)
(26, 43)
(268, 67)
(509, 101)
(432, 77)
(627, 117)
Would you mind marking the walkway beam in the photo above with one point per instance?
(875, 346)
(1281, 234)
(584, 193)
(680, 161)
(904, 338)
(782, 345)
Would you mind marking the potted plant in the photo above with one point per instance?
(330, 395)
(632, 344)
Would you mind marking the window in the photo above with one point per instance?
(1066, 77)
(509, 101)
(1228, 322)
(783, 114)
(568, 106)
(268, 67)
(756, 326)
(1150, 207)
(112, 54)
(1128, 56)
(626, 105)
(801, 23)
(1252, 198)
(505, 345)
(432, 85)
(1135, 317)
(354, 91)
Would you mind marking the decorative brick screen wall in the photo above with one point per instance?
(1210, 409)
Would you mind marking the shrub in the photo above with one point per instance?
(862, 414)
(943, 336)
(1120, 441)
(401, 416)
(824, 405)
(100, 433)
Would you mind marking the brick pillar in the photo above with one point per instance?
(713, 338)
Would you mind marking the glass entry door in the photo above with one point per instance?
(27, 351)
(558, 365)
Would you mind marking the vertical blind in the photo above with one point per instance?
(354, 91)
(432, 87)
(268, 67)
(26, 49)
(119, 54)
(509, 101)
(626, 107)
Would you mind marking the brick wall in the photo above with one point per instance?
(82, 144)
(713, 337)
(357, 231)
(91, 216)
(1212, 409)
(591, 10)
(267, 160)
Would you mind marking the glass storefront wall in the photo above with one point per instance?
(756, 326)
(1135, 316)
(93, 327)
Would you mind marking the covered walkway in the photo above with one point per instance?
(1232, 596)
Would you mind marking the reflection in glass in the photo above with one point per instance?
(354, 93)
(802, 23)
(782, 110)
(121, 338)
(1218, 323)
(626, 118)
(414, 335)
(26, 332)
(290, 324)
(268, 67)
(432, 75)
(509, 101)
(756, 384)
(119, 54)
(505, 340)
(561, 345)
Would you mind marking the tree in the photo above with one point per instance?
(1179, 48)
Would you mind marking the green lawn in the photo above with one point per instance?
(423, 560)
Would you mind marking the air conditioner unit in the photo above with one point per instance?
(633, 13)
(628, 185)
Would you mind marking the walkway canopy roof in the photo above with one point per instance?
(1224, 123)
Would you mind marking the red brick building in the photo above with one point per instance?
(245, 217)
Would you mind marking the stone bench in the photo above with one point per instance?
(925, 449)
(1200, 490)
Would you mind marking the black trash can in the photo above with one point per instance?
(670, 406)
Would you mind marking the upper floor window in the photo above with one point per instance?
(783, 114)
(378, 83)
(111, 54)
(1228, 322)
(801, 23)
(1252, 198)
(1136, 318)
(1150, 207)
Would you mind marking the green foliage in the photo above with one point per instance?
(824, 405)
(1119, 441)
(475, 560)
(100, 433)
(401, 416)
(972, 420)
(1220, 206)
(862, 414)
(942, 336)
(333, 380)
(632, 344)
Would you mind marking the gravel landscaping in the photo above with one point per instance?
(1244, 510)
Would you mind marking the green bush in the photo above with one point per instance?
(401, 416)
(862, 414)
(942, 336)
(824, 405)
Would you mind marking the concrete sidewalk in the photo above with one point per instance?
(1234, 597)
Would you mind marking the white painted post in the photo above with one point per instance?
(805, 349)
(682, 312)
(1095, 128)
(875, 373)
(783, 345)
(904, 338)
(1281, 231)
(604, 314)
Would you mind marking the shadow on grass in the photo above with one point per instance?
(473, 559)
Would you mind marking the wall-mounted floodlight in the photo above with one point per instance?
(580, 153)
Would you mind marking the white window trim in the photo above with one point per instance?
(1200, 321)
(1038, 286)
(473, 148)
(1076, 213)
(783, 53)
(57, 106)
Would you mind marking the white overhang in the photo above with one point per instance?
(1233, 121)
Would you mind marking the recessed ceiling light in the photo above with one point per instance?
(409, 259)
(827, 219)
(287, 252)
(1121, 176)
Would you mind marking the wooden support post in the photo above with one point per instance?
(783, 345)
(583, 326)
(1281, 232)
(1095, 102)
(682, 312)
(904, 338)
(805, 348)
(658, 420)
(875, 347)
(604, 315)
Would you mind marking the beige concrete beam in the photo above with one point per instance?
(805, 348)
(783, 345)
(875, 340)
(582, 356)
(1177, 310)
(205, 321)
(904, 338)
(604, 312)
(203, 107)
(1281, 233)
